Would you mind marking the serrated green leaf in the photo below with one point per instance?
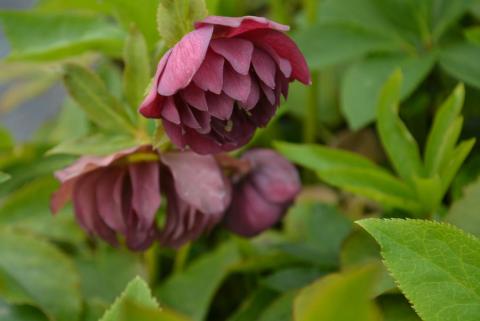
(444, 132)
(175, 18)
(137, 71)
(464, 212)
(327, 298)
(135, 311)
(401, 147)
(90, 93)
(191, 291)
(137, 291)
(363, 81)
(29, 261)
(40, 35)
(98, 144)
(459, 60)
(437, 266)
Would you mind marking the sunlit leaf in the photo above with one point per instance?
(98, 144)
(437, 266)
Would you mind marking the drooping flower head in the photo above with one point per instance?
(120, 194)
(263, 193)
(222, 81)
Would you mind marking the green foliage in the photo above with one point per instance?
(99, 144)
(136, 76)
(436, 266)
(47, 36)
(422, 183)
(464, 212)
(137, 291)
(176, 17)
(92, 96)
(41, 275)
(191, 290)
(325, 299)
(4, 177)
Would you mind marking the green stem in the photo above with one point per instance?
(310, 120)
(181, 258)
(152, 259)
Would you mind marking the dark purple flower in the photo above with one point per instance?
(222, 81)
(121, 193)
(263, 194)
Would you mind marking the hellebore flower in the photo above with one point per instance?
(263, 194)
(121, 193)
(222, 81)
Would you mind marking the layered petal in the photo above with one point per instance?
(184, 61)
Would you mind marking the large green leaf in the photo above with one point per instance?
(142, 15)
(352, 173)
(191, 290)
(40, 35)
(137, 291)
(320, 158)
(137, 72)
(437, 266)
(344, 296)
(460, 61)
(324, 45)
(20, 313)
(396, 308)
(362, 83)
(45, 275)
(91, 94)
(401, 147)
(444, 132)
(176, 17)
(319, 229)
(28, 208)
(280, 309)
(251, 308)
(464, 213)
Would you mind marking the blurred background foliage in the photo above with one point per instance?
(317, 264)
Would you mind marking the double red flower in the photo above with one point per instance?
(222, 81)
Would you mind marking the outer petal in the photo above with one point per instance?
(285, 48)
(87, 164)
(151, 105)
(232, 26)
(175, 133)
(184, 61)
(86, 211)
(195, 97)
(200, 143)
(145, 180)
(275, 178)
(250, 213)
(110, 199)
(199, 181)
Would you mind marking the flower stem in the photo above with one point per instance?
(152, 260)
(181, 258)
(310, 120)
